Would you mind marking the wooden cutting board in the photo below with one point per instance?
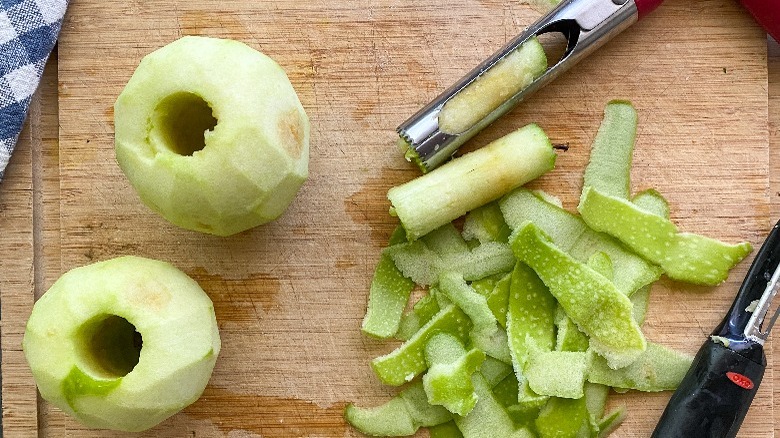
(290, 296)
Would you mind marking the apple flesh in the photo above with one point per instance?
(212, 136)
(122, 344)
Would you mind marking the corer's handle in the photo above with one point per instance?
(645, 7)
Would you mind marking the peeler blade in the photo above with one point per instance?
(755, 330)
(744, 324)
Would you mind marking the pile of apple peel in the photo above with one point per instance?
(531, 313)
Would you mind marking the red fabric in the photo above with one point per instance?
(767, 13)
(645, 7)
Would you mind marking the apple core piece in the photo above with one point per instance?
(488, 91)
(212, 136)
(122, 344)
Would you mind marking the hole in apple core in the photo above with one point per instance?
(181, 122)
(111, 346)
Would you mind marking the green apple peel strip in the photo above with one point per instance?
(423, 311)
(683, 256)
(576, 417)
(472, 180)
(658, 369)
(448, 380)
(446, 430)
(611, 422)
(402, 415)
(596, 400)
(640, 300)
(390, 289)
(486, 334)
(583, 293)
(485, 286)
(609, 168)
(571, 234)
(441, 299)
(652, 202)
(520, 402)
(601, 263)
(493, 343)
(569, 337)
(446, 241)
(486, 224)
(530, 317)
(494, 371)
(417, 261)
(388, 295)
(488, 418)
(563, 417)
(557, 373)
(611, 157)
(407, 361)
(470, 302)
(496, 292)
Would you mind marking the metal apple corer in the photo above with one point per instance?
(586, 25)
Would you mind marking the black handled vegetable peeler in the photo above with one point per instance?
(714, 397)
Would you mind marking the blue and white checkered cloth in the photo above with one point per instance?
(28, 32)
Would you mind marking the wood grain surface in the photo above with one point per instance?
(289, 296)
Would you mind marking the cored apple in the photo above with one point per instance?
(212, 136)
(122, 344)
